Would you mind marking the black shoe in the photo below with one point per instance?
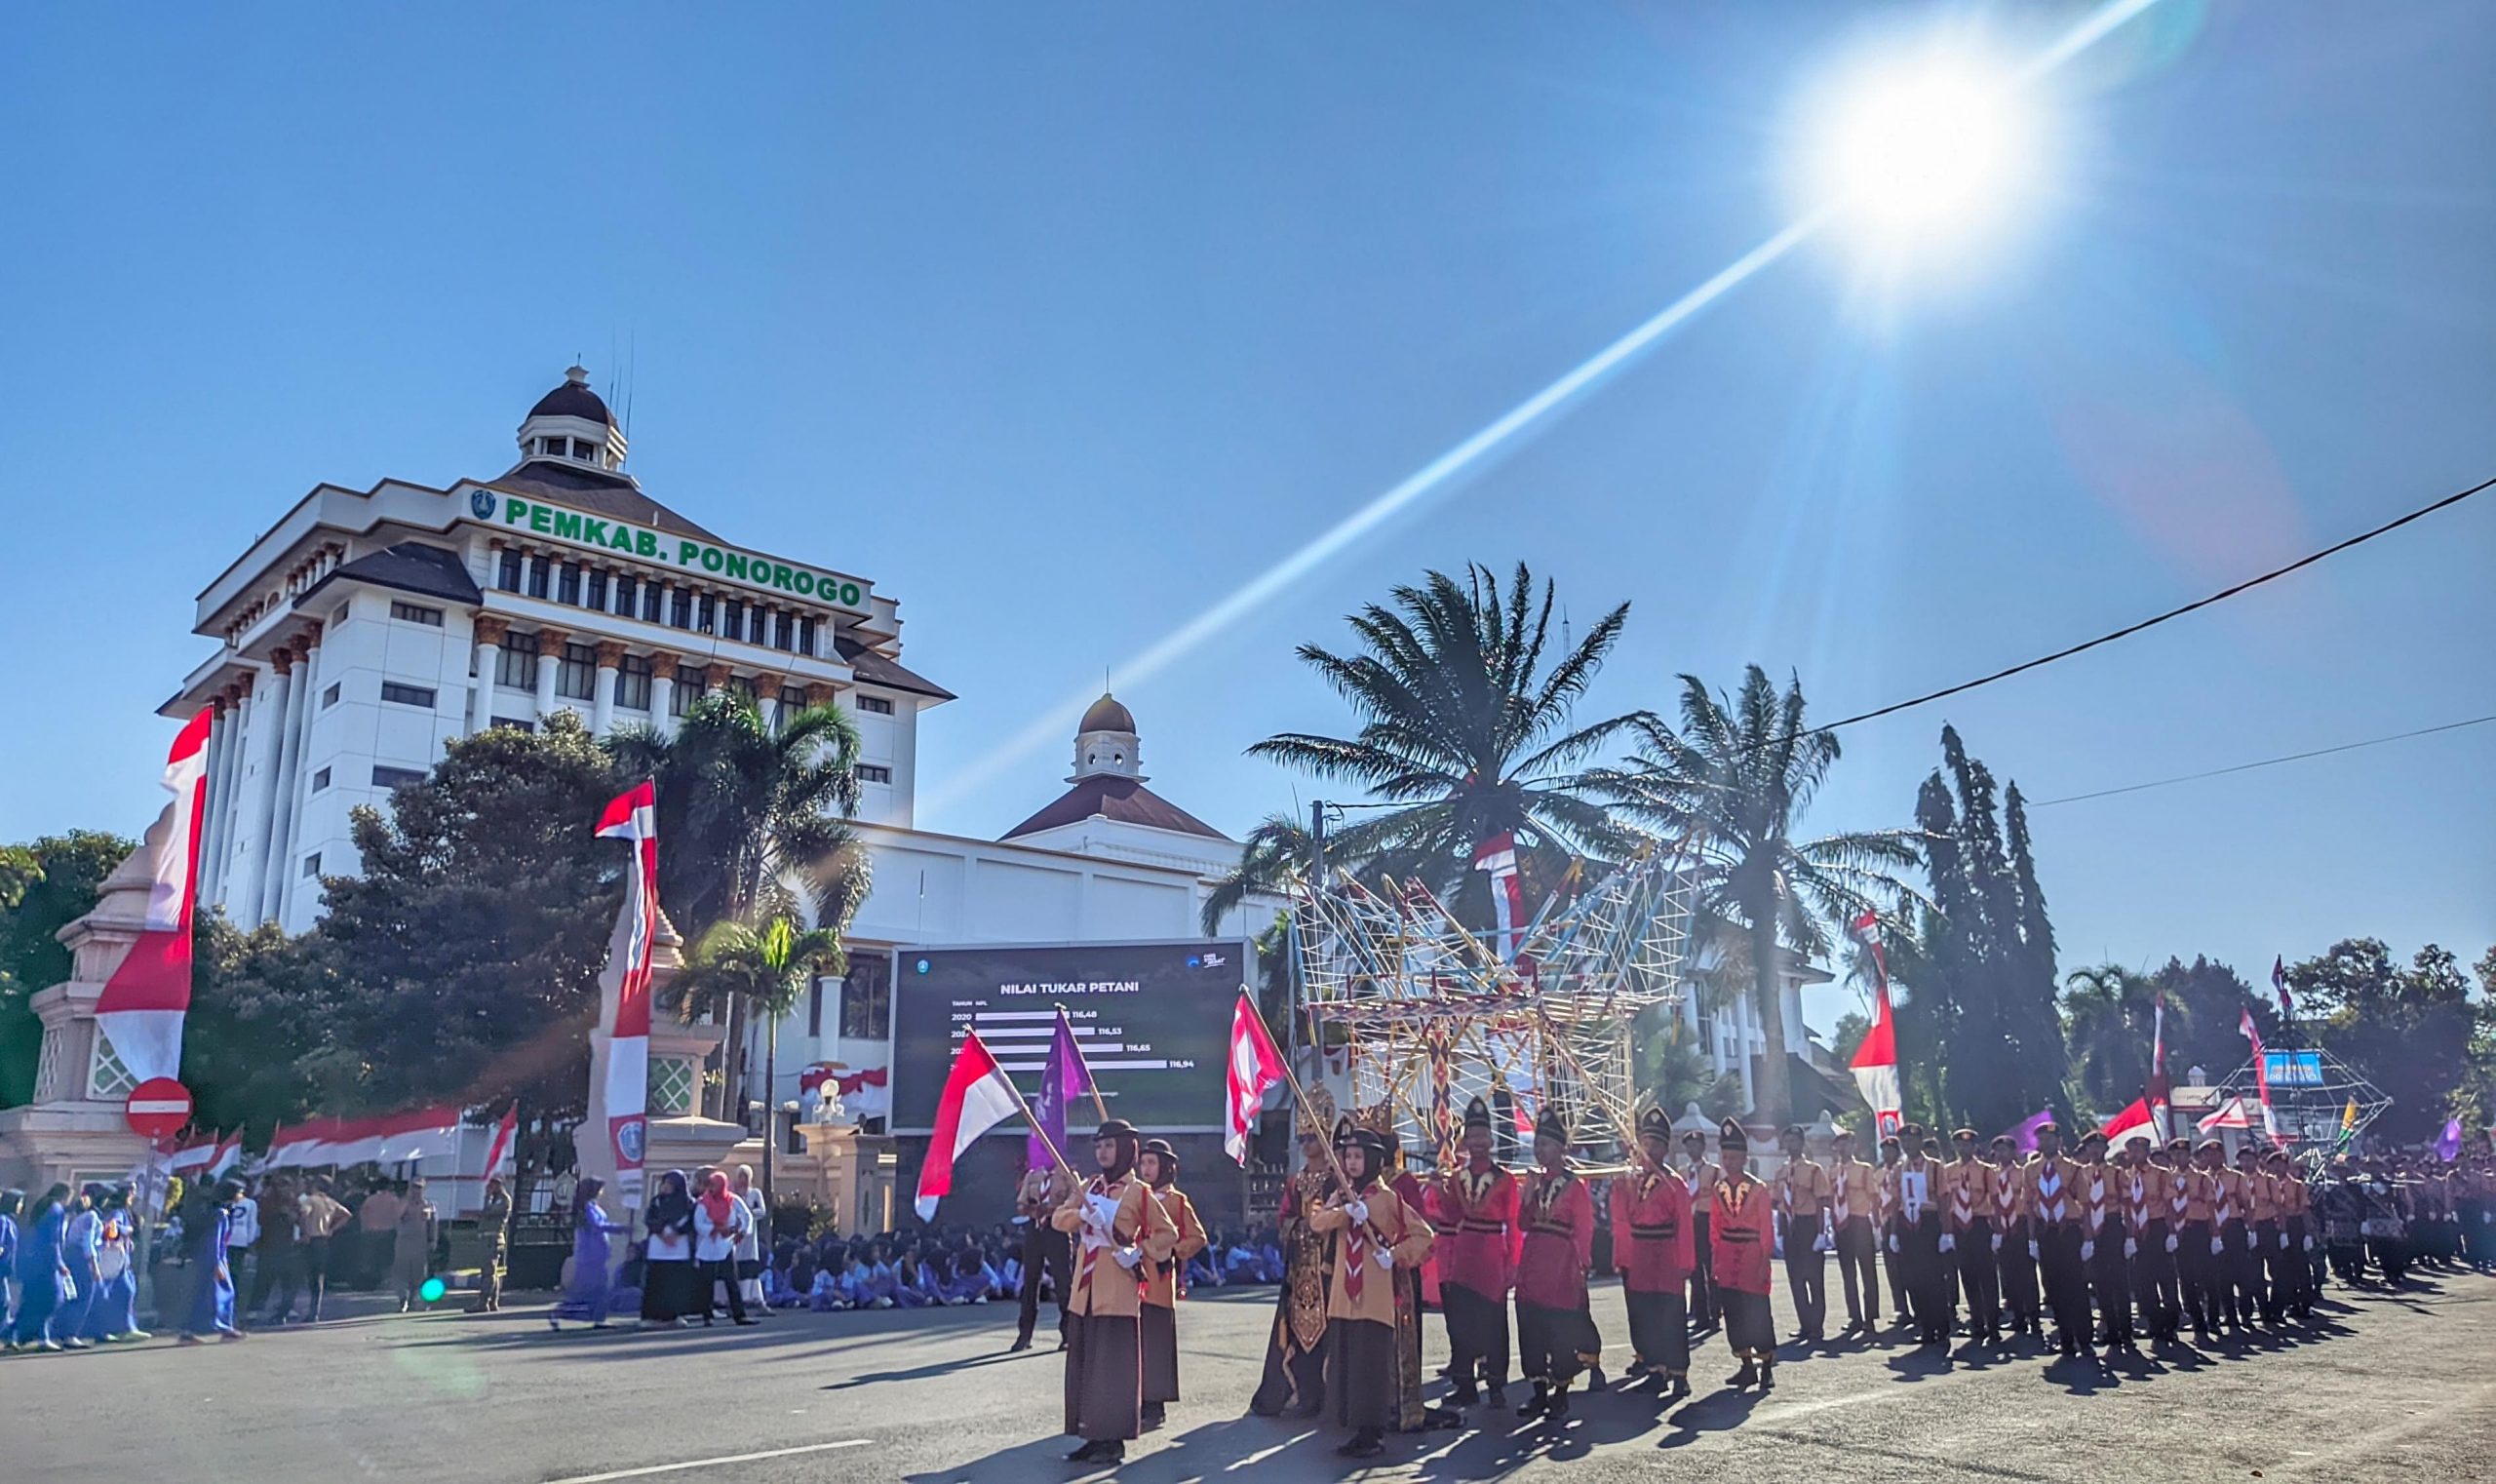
(1638, 1370)
(1154, 1416)
(1364, 1444)
(1464, 1396)
(1744, 1376)
(1496, 1396)
(1559, 1408)
(1676, 1388)
(1538, 1402)
(1021, 1343)
(1089, 1453)
(1594, 1380)
(749, 1319)
(1768, 1376)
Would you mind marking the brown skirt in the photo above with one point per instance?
(1361, 1380)
(1160, 1333)
(1104, 1378)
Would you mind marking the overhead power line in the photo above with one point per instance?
(2247, 768)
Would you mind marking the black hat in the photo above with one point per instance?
(1733, 1138)
(1379, 1146)
(1343, 1130)
(1477, 1115)
(1653, 1124)
(1795, 1131)
(1553, 1124)
(1912, 1131)
(1115, 1128)
(1160, 1146)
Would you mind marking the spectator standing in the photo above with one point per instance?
(11, 1202)
(493, 1229)
(114, 1316)
(749, 1253)
(42, 1275)
(377, 1225)
(670, 1281)
(280, 1269)
(412, 1257)
(321, 1218)
(722, 1224)
(81, 1246)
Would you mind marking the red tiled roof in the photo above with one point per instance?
(1110, 797)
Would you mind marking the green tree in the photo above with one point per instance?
(1733, 783)
(1464, 734)
(1676, 1073)
(2109, 1020)
(2408, 1031)
(256, 1049)
(2206, 1005)
(747, 809)
(767, 968)
(45, 886)
(1272, 859)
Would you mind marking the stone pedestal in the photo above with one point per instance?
(75, 1130)
(850, 1174)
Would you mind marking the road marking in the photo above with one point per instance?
(733, 1458)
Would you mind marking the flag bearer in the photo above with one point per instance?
(1373, 1233)
(1113, 1220)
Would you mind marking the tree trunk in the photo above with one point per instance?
(1773, 1097)
(771, 1116)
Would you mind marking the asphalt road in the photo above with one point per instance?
(2387, 1387)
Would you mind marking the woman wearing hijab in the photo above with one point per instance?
(10, 1203)
(722, 1221)
(1114, 1221)
(587, 1296)
(43, 1278)
(1181, 1237)
(1372, 1235)
(670, 1291)
(208, 1227)
(112, 1316)
(81, 1245)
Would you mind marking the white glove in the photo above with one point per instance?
(2283, 1241)
(1127, 1257)
(2309, 1244)
(1359, 1210)
(1949, 1243)
(2032, 1252)
(2217, 1246)
(2087, 1249)
(1893, 1241)
(1997, 1242)
(2132, 1249)
(1101, 1211)
(2170, 1241)
(1386, 1258)
(1822, 1243)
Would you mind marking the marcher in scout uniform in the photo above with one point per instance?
(1891, 1264)
(1803, 1199)
(1967, 1188)
(2055, 1216)
(1294, 1378)
(1372, 1235)
(1046, 1252)
(1651, 1245)
(1115, 1223)
(2107, 1244)
(1178, 1237)
(2013, 1264)
(1915, 1236)
(1744, 1228)
(2145, 1181)
(2201, 1254)
(1558, 1214)
(2282, 1259)
(1855, 1202)
(1700, 1178)
(2240, 1270)
(1475, 1211)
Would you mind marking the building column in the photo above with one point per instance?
(767, 699)
(233, 719)
(281, 757)
(490, 633)
(602, 717)
(213, 807)
(550, 653)
(297, 778)
(242, 895)
(663, 694)
(238, 780)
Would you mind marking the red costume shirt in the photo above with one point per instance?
(1651, 1231)
(1559, 1218)
(1741, 1231)
(1476, 1216)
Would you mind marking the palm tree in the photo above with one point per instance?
(1730, 787)
(1275, 855)
(748, 808)
(2108, 1015)
(1464, 734)
(766, 968)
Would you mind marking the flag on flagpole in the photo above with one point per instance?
(978, 1096)
(633, 815)
(1498, 855)
(2448, 1143)
(2158, 1095)
(2348, 1120)
(2280, 982)
(2134, 1119)
(2261, 1071)
(1255, 1065)
(498, 1154)
(141, 1006)
(1065, 1078)
(1876, 1061)
(2231, 1113)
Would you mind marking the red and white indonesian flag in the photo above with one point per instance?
(499, 1159)
(2231, 1113)
(633, 816)
(1876, 1061)
(2159, 1096)
(978, 1096)
(2136, 1120)
(141, 1008)
(1256, 1065)
(1498, 855)
(399, 1138)
(2261, 1071)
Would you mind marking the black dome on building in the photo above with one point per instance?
(573, 398)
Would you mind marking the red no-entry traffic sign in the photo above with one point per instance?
(158, 1108)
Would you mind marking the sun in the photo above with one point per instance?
(1915, 151)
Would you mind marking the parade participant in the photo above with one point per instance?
(1045, 1251)
(2470, 1208)
(2055, 1215)
(1412, 1414)
(2268, 1221)
(1372, 1235)
(1892, 1151)
(1855, 1198)
(2016, 1231)
(2305, 1227)
(1178, 1236)
(1744, 1228)
(43, 1275)
(2145, 1185)
(113, 1315)
(494, 1233)
(589, 1289)
(1557, 1212)
(412, 1258)
(1295, 1377)
(1917, 1238)
(1700, 1179)
(1968, 1193)
(2387, 1223)
(2200, 1255)
(322, 1217)
(81, 1247)
(1652, 1246)
(2107, 1244)
(1475, 1211)
(2282, 1251)
(212, 1278)
(1113, 1219)
(1803, 1199)
(2239, 1282)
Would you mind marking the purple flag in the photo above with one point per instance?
(1062, 1081)
(2448, 1143)
(2024, 1136)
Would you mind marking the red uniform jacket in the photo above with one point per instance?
(1742, 1232)
(1559, 1214)
(1651, 1231)
(1476, 1216)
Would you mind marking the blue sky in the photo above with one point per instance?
(1061, 322)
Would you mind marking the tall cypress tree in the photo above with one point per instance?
(2030, 1010)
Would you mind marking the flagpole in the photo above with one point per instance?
(1034, 1119)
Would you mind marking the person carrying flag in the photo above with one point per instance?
(1372, 1235)
(1115, 1223)
(1295, 1377)
(1475, 1211)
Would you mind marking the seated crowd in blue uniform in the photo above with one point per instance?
(954, 1266)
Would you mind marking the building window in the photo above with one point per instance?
(416, 612)
(515, 722)
(312, 863)
(48, 1067)
(866, 998)
(319, 780)
(806, 634)
(652, 592)
(627, 595)
(680, 608)
(791, 700)
(633, 682)
(567, 584)
(875, 706)
(672, 1085)
(583, 449)
(107, 1076)
(597, 598)
(873, 773)
(783, 630)
(732, 619)
(507, 570)
(329, 697)
(385, 776)
(691, 686)
(576, 673)
(407, 695)
(338, 619)
(517, 665)
(538, 569)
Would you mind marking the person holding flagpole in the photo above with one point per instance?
(1373, 1233)
(1112, 1219)
(1045, 1183)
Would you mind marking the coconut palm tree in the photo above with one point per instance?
(2108, 1014)
(767, 967)
(748, 807)
(1730, 786)
(1464, 734)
